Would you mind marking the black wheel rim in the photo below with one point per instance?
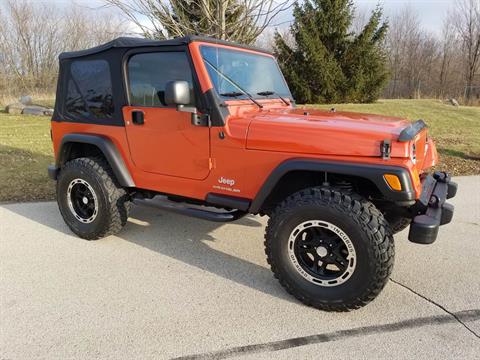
(322, 253)
(82, 201)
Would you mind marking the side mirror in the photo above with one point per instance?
(177, 93)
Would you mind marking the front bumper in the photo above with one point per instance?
(432, 210)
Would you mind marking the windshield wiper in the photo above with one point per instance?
(232, 94)
(233, 83)
(269, 92)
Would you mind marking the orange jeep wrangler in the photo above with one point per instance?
(211, 130)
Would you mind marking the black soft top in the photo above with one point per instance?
(90, 86)
(133, 42)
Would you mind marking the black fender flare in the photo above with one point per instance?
(374, 173)
(106, 146)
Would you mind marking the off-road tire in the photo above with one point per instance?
(397, 223)
(360, 220)
(113, 204)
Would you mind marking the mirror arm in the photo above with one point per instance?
(189, 109)
(197, 119)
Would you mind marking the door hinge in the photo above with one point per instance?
(386, 149)
(200, 119)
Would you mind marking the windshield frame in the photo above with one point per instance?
(245, 96)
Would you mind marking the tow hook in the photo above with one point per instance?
(434, 201)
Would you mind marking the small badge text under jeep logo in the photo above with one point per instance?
(229, 182)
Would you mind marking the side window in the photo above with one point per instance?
(89, 90)
(148, 74)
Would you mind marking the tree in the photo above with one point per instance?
(401, 43)
(236, 20)
(414, 57)
(365, 61)
(448, 55)
(329, 63)
(32, 35)
(466, 19)
(423, 64)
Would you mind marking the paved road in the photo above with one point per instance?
(170, 286)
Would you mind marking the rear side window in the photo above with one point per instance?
(89, 90)
(148, 74)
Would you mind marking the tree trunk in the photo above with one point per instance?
(222, 5)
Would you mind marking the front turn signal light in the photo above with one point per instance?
(393, 181)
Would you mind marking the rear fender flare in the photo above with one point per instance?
(106, 146)
(374, 173)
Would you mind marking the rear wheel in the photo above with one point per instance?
(91, 202)
(331, 250)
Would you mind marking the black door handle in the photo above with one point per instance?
(138, 118)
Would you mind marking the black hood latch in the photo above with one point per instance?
(386, 149)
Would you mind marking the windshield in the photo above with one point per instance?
(237, 74)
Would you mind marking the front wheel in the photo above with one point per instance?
(331, 250)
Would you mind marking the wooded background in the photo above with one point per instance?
(419, 63)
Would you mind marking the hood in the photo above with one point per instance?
(325, 132)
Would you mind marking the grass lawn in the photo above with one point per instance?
(26, 148)
(25, 152)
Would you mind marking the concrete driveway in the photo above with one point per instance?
(174, 287)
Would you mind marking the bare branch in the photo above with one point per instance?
(32, 35)
(236, 20)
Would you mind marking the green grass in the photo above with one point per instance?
(26, 148)
(25, 152)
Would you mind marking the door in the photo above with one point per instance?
(161, 139)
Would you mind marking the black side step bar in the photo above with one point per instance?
(226, 216)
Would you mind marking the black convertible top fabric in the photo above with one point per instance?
(132, 42)
(114, 53)
(122, 42)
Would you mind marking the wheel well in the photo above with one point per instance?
(295, 181)
(85, 145)
(75, 150)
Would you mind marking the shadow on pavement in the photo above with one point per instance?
(178, 237)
